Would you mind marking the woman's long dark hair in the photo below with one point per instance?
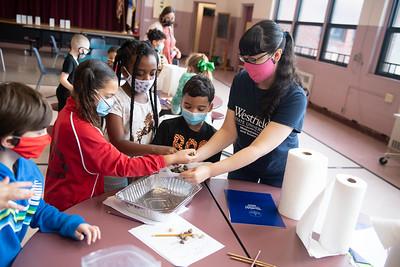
(266, 37)
(165, 11)
(127, 52)
(90, 76)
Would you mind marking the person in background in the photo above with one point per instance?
(265, 114)
(79, 48)
(156, 39)
(197, 63)
(190, 130)
(80, 156)
(111, 54)
(165, 24)
(24, 117)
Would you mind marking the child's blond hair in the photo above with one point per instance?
(79, 40)
(193, 62)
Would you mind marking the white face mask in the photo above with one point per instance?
(143, 86)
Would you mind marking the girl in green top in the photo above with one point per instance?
(197, 63)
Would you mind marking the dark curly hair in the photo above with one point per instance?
(266, 37)
(136, 50)
(155, 35)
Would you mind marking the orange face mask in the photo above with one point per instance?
(31, 147)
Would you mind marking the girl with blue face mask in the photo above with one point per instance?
(80, 155)
(133, 120)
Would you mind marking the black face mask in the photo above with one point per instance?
(166, 22)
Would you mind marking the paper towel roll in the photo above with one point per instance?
(304, 179)
(342, 213)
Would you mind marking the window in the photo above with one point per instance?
(389, 60)
(340, 31)
(285, 14)
(309, 27)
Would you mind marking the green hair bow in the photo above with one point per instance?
(205, 66)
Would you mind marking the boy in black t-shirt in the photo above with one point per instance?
(79, 47)
(190, 130)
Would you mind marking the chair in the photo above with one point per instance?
(383, 160)
(31, 42)
(55, 49)
(98, 53)
(2, 61)
(215, 115)
(97, 43)
(43, 70)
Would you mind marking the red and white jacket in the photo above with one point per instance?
(80, 157)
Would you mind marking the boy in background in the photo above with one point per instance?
(79, 47)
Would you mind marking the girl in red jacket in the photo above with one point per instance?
(80, 156)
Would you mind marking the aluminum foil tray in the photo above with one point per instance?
(158, 196)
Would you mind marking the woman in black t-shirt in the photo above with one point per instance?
(265, 111)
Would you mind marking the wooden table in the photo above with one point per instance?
(54, 250)
(278, 246)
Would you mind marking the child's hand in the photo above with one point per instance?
(13, 191)
(183, 156)
(197, 175)
(166, 150)
(91, 232)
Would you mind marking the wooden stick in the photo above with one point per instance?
(255, 259)
(169, 235)
(249, 260)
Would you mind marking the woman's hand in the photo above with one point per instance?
(178, 52)
(91, 232)
(13, 191)
(197, 175)
(183, 156)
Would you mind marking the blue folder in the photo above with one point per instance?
(252, 208)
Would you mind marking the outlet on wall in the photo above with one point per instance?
(389, 98)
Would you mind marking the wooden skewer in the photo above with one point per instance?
(255, 259)
(169, 235)
(249, 260)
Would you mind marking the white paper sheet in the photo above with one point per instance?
(170, 249)
(333, 215)
(388, 231)
(366, 243)
(51, 22)
(121, 207)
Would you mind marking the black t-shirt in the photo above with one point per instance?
(245, 101)
(69, 67)
(176, 133)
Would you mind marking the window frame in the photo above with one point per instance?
(326, 37)
(278, 3)
(326, 26)
(390, 30)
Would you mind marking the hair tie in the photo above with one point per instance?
(205, 66)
